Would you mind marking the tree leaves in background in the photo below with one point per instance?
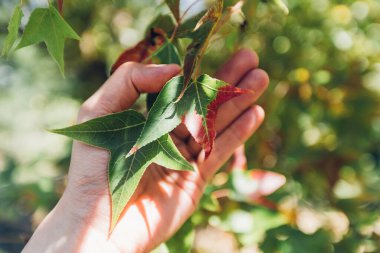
(290, 240)
(185, 235)
(142, 50)
(281, 5)
(197, 109)
(174, 7)
(117, 133)
(47, 25)
(13, 27)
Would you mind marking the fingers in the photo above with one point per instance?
(234, 136)
(238, 66)
(256, 80)
(123, 88)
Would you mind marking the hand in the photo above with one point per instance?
(165, 198)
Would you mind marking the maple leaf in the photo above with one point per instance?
(13, 27)
(47, 25)
(142, 50)
(201, 123)
(117, 133)
(201, 100)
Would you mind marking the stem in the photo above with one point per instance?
(179, 22)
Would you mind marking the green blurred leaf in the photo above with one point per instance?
(183, 239)
(282, 6)
(47, 25)
(209, 202)
(13, 27)
(286, 239)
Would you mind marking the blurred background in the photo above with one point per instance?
(322, 130)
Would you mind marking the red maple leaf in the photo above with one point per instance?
(142, 50)
(203, 128)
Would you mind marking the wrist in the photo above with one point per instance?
(55, 233)
(65, 230)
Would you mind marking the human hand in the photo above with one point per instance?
(164, 198)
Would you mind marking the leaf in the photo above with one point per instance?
(183, 240)
(167, 54)
(13, 27)
(201, 37)
(209, 200)
(142, 50)
(282, 6)
(47, 25)
(117, 133)
(164, 22)
(174, 7)
(202, 124)
(201, 100)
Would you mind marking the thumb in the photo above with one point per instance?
(123, 88)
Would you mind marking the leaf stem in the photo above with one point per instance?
(179, 22)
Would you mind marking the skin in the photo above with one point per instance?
(165, 198)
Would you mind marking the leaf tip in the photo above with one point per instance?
(53, 131)
(132, 151)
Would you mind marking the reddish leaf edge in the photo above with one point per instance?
(60, 6)
(143, 50)
(204, 132)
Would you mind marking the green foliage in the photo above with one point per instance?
(47, 25)
(117, 133)
(13, 27)
(321, 128)
(167, 54)
(166, 113)
(288, 240)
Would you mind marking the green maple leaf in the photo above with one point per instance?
(13, 27)
(47, 25)
(197, 109)
(167, 54)
(118, 133)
